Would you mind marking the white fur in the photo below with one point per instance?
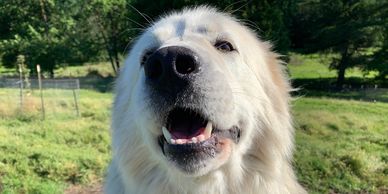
(259, 163)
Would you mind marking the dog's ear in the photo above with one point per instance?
(277, 130)
(278, 72)
(271, 69)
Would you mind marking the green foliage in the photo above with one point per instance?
(46, 32)
(347, 28)
(379, 61)
(56, 33)
(110, 23)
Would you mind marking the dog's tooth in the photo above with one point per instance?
(194, 140)
(208, 130)
(201, 138)
(179, 141)
(166, 134)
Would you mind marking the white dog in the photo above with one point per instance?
(202, 106)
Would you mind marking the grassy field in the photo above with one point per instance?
(341, 145)
(103, 69)
(316, 66)
(47, 156)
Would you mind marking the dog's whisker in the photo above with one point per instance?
(145, 16)
(226, 9)
(238, 9)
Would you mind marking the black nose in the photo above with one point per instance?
(171, 61)
(171, 68)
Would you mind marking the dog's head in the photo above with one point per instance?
(199, 90)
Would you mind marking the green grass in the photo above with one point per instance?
(317, 66)
(47, 156)
(58, 103)
(103, 68)
(7, 71)
(341, 146)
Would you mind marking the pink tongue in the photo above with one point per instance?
(182, 134)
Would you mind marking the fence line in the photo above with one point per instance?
(57, 92)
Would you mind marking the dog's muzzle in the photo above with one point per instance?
(189, 137)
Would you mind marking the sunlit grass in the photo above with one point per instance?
(103, 68)
(341, 145)
(317, 66)
(46, 156)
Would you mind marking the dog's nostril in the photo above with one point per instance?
(185, 64)
(153, 69)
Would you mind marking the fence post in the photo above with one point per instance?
(75, 96)
(41, 91)
(21, 87)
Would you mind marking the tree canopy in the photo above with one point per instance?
(54, 33)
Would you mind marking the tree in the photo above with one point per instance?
(349, 29)
(110, 23)
(45, 32)
(52, 32)
(379, 60)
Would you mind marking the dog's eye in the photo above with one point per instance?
(145, 57)
(224, 46)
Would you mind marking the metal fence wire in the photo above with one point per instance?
(56, 97)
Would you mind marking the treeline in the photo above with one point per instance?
(53, 32)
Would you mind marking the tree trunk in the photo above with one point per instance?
(108, 44)
(117, 62)
(341, 75)
(114, 41)
(115, 53)
(341, 68)
(52, 73)
(44, 16)
(111, 59)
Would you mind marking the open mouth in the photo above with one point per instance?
(186, 127)
(189, 139)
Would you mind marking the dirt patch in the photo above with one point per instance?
(95, 188)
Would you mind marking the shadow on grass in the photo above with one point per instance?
(104, 84)
(354, 89)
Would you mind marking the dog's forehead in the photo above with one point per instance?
(193, 23)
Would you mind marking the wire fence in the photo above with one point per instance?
(53, 97)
